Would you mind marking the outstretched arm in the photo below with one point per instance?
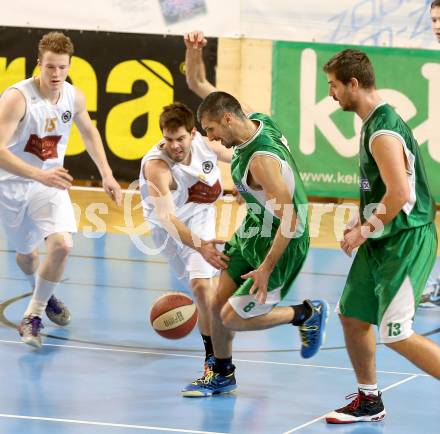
(95, 148)
(159, 178)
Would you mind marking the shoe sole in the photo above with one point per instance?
(324, 335)
(199, 394)
(31, 342)
(376, 418)
(60, 323)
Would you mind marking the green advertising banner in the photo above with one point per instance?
(324, 139)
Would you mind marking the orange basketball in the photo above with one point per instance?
(173, 315)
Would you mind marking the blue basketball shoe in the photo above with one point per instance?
(209, 363)
(210, 384)
(312, 330)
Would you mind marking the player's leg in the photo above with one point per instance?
(244, 312)
(360, 341)
(203, 289)
(28, 264)
(202, 277)
(421, 351)
(49, 216)
(221, 378)
(357, 309)
(49, 275)
(23, 237)
(397, 320)
(401, 265)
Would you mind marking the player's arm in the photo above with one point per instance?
(280, 199)
(223, 154)
(195, 71)
(159, 178)
(277, 193)
(390, 158)
(95, 148)
(195, 66)
(12, 110)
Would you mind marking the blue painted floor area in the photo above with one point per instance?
(109, 373)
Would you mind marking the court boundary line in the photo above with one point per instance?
(104, 424)
(161, 262)
(194, 356)
(391, 386)
(4, 305)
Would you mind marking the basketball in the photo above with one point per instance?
(173, 315)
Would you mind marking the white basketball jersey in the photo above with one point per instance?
(198, 184)
(42, 135)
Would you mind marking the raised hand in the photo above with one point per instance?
(195, 40)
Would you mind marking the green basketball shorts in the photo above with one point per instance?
(387, 279)
(245, 258)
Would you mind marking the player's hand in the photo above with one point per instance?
(113, 189)
(352, 223)
(260, 276)
(212, 255)
(195, 40)
(58, 177)
(238, 197)
(352, 239)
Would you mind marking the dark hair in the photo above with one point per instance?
(218, 103)
(349, 64)
(177, 115)
(435, 4)
(57, 43)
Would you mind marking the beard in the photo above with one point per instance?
(348, 106)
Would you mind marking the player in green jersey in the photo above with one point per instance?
(431, 296)
(395, 235)
(267, 252)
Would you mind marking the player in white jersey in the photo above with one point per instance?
(35, 120)
(179, 183)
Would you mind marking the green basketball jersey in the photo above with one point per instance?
(267, 140)
(420, 209)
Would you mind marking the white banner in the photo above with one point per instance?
(385, 23)
(132, 16)
(390, 23)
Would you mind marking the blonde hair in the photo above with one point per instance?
(56, 42)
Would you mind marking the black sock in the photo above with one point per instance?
(207, 342)
(223, 366)
(302, 312)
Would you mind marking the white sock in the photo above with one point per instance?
(369, 389)
(31, 279)
(43, 291)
